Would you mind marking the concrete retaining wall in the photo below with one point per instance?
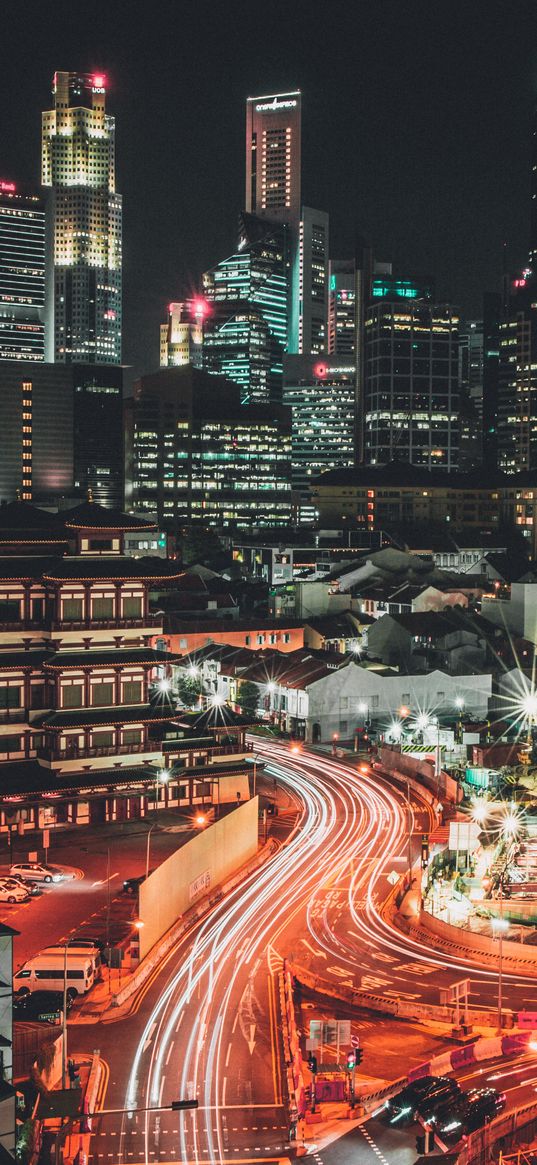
(195, 869)
(514, 955)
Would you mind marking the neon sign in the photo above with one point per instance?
(270, 106)
(8, 187)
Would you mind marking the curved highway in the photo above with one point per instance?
(210, 1026)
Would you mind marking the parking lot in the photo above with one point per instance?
(88, 902)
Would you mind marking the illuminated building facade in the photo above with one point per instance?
(78, 165)
(343, 297)
(321, 395)
(273, 157)
(245, 327)
(198, 454)
(62, 431)
(22, 275)
(410, 406)
(312, 281)
(517, 377)
(181, 338)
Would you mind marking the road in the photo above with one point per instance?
(207, 1024)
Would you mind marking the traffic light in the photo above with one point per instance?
(312, 1063)
(358, 1056)
(351, 1062)
(424, 851)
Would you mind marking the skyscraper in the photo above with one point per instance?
(22, 274)
(517, 377)
(181, 338)
(312, 279)
(246, 321)
(342, 307)
(200, 454)
(320, 391)
(410, 378)
(78, 164)
(273, 157)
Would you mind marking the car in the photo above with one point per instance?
(33, 888)
(35, 872)
(11, 891)
(132, 885)
(43, 1006)
(473, 1110)
(446, 1092)
(400, 1109)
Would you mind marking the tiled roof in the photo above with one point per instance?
(212, 719)
(120, 657)
(20, 778)
(92, 516)
(86, 568)
(87, 717)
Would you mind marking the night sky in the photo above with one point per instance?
(416, 128)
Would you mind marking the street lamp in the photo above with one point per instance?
(500, 925)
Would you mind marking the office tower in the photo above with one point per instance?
(471, 346)
(342, 307)
(181, 338)
(517, 376)
(246, 320)
(84, 246)
(273, 157)
(198, 453)
(321, 395)
(492, 306)
(312, 281)
(22, 274)
(62, 431)
(410, 378)
(98, 432)
(533, 207)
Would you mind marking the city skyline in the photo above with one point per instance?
(446, 211)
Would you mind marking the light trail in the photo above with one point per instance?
(326, 880)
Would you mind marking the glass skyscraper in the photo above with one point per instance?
(78, 164)
(245, 328)
(22, 275)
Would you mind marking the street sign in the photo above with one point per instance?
(355, 1041)
(330, 1031)
(393, 878)
(59, 1102)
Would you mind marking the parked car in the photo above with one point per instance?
(472, 1111)
(33, 888)
(35, 872)
(447, 1091)
(43, 1006)
(11, 891)
(400, 1109)
(49, 969)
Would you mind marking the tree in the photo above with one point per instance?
(188, 690)
(200, 544)
(248, 698)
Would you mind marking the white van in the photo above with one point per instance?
(74, 950)
(45, 972)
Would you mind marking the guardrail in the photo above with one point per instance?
(402, 1008)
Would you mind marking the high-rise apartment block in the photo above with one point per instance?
(198, 454)
(245, 326)
(181, 338)
(22, 274)
(410, 406)
(320, 392)
(78, 165)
